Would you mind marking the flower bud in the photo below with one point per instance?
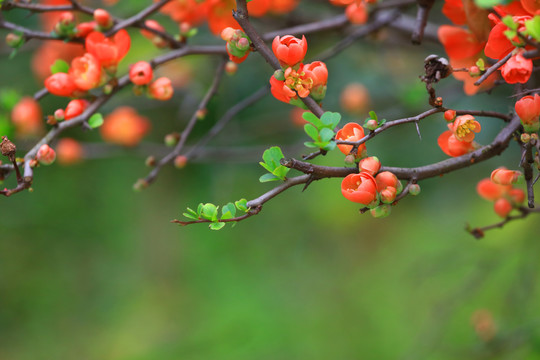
(161, 89)
(525, 138)
(517, 196)
(370, 165)
(231, 67)
(150, 161)
(141, 73)
(180, 161)
(201, 114)
(502, 207)
(474, 71)
(388, 195)
(46, 155)
(350, 159)
(414, 189)
(14, 40)
(59, 114)
(103, 18)
(140, 185)
(157, 40)
(449, 115)
(172, 139)
(227, 34)
(381, 211)
(503, 176)
(372, 124)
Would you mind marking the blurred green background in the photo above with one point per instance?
(91, 270)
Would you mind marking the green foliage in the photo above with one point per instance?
(272, 157)
(373, 115)
(210, 212)
(321, 130)
(533, 27)
(8, 99)
(59, 66)
(95, 121)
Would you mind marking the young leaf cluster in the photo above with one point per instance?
(321, 130)
(272, 157)
(210, 212)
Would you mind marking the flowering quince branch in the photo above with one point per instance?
(374, 186)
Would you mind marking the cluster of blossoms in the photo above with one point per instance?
(458, 140)
(371, 188)
(296, 78)
(218, 13)
(238, 44)
(499, 189)
(494, 35)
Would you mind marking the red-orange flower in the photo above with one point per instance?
(370, 165)
(517, 69)
(281, 91)
(357, 12)
(464, 128)
(124, 126)
(451, 146)
(61, 84)
(351, 132)
(354, 98)
(85, 72)
(360, 188)
(109, 51)
(289, 50)
(318, 74)
(27, 117)
(528, 110)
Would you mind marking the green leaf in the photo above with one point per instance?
(310, 144)
(268, 177)
(200, 209)
(209, 212)
(281, 171)
(266, 166)
(95, 120)
(59, 66)
(330, 119)
(228, 211)
(326, 134)
(509, 21)
(533, 27)
(190, 216)
(241, 205)
(331, 146)
(310, 117)
(311, 131)
(272, 156)
(216, 225)
(373, 115)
